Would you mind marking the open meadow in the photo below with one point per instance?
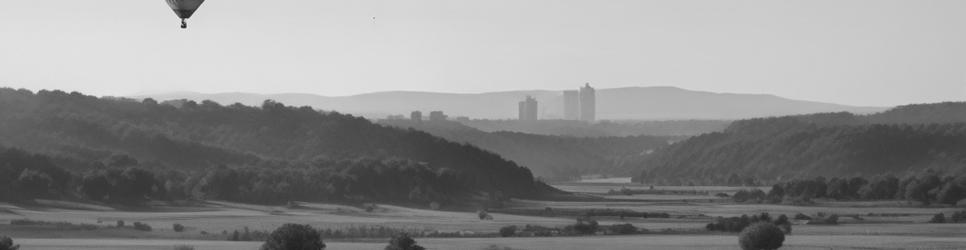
(863, 225)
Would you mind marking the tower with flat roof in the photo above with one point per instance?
(528, 109)
(588, 103)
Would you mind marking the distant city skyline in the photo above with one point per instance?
(857, 52)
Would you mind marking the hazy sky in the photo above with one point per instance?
(870, 52)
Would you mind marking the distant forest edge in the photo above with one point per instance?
(87, 147)
(904, 140)
(553, 158)
(606, 128)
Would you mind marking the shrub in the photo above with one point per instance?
(938, 218)
(294, 237)
(403, 242)
(958, 217)
(585, 226)
(178, 227)
(761, 236)
(822, 219)
(184, 247)
(508, 231)
(622, 229)
(6, 243)
(142, 226)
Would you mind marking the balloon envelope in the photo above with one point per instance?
(184, 8)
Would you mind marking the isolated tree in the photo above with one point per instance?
(761, 236)
(403, 242)
(6, 243)
(784, 224)
(586, 226)
(508, 231)
(294, 237)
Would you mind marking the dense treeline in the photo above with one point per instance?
(550, 157)
(30, 176)
(900, 141)
(571, 128)
(928, 188)
(269, 153)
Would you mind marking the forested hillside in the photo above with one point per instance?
(271, 147)
(904, 140)
(550, 157)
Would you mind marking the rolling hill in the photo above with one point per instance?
(905, 139)
(92, 133)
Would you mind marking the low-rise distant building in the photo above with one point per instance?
(571, 108)
(395, 117)
(416, 116)
(437, 116)
(462, 119)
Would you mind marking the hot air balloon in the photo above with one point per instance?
(184, 9)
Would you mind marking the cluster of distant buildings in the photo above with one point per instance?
(578, 104)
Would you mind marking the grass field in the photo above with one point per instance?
(903, 227)
(793, 242)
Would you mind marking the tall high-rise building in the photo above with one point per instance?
(528, 109)
(588, 103)
(571, 106)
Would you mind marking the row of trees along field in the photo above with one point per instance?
(30, 176)
(927, 188)
(87, 146)
(906, 139)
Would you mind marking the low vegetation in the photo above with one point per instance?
(59, 225)
(761, 236)
(956, 217)
(739, 223)
(403, 242)
(6, 243)
(294, 237)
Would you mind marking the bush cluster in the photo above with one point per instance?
(739, 223)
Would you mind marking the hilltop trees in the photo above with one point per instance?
(128, 186)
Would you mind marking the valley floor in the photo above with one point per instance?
(863, 225)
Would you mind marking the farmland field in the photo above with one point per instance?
(863, 225)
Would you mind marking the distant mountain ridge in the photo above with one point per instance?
(628, 103)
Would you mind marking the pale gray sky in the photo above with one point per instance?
(860, 52)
